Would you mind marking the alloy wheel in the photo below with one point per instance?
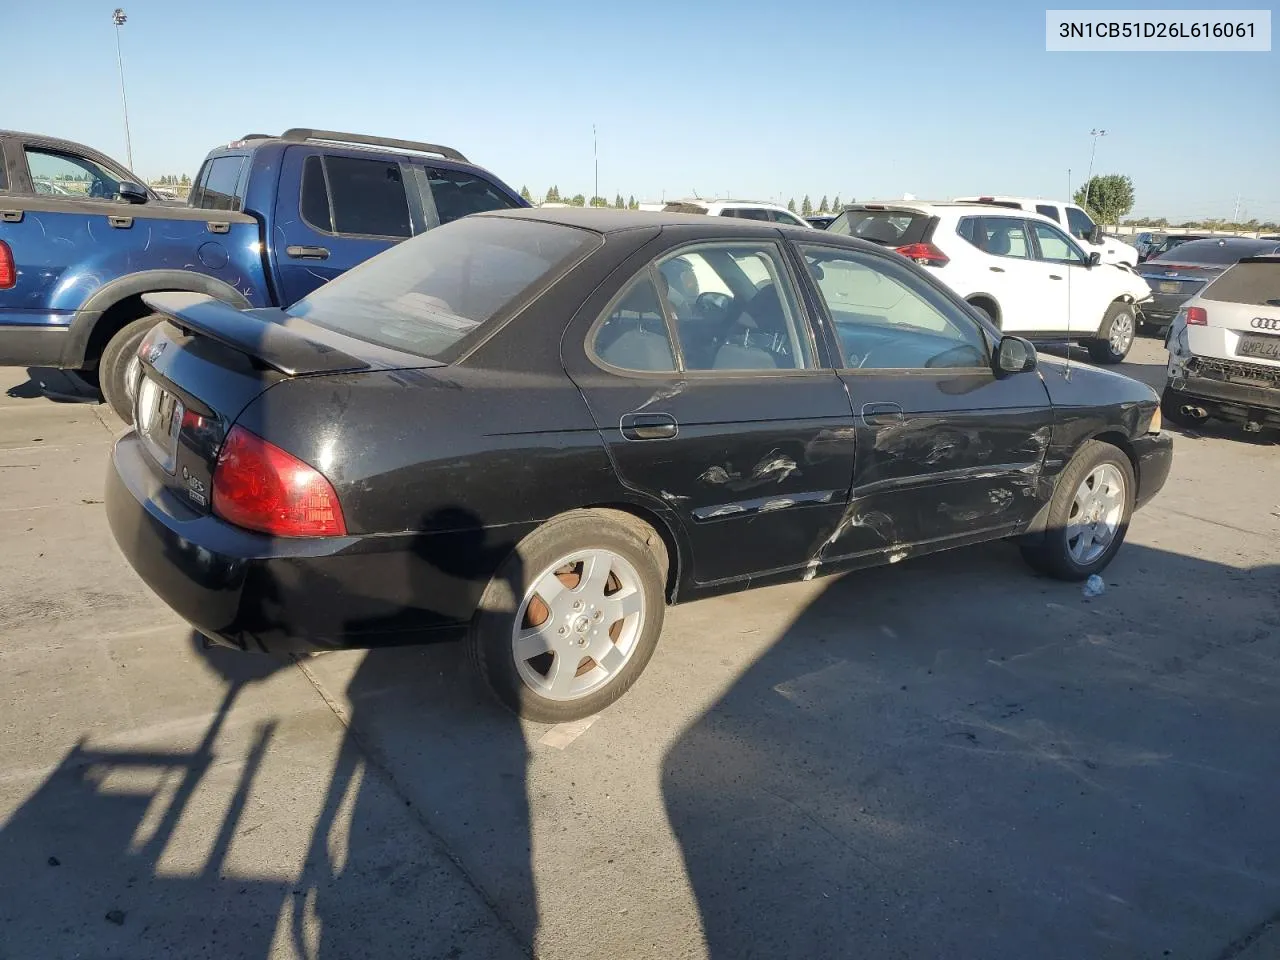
(1096, 514)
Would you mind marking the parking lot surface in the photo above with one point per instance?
(945, 758)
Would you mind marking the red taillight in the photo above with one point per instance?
(1197, 317)
(8, 272)
(258, 486)
(925, 253)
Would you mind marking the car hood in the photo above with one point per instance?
(1082, 385)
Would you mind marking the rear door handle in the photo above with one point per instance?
(1054, 276)
(648, 426)
(996, 269)
(307, 253)
(881, 414)
(11, 216)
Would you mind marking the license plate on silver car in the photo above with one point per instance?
(158, 416)
(1265, 348)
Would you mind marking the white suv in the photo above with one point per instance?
(1078, 223)
(742, 209)
(1020, 269)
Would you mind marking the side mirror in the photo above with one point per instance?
(1095, 258)
(132, 192)
(1095, 236)
(1014, 355)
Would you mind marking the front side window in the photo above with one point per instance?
(425, 295)
(218, 186)
(68, 177)
(457, 194)
(1003, 237)
(350, 195)
(1056, 246)
(887, 318)
(1078, 223)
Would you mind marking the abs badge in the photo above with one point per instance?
(195, 487)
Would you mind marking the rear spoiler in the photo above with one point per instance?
(266, 341)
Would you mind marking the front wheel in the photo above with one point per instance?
(1115, 335)
(570, 620)
(113, 368)
(1088, 516)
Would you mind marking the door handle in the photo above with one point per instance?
(307, 253)
(120, 223)
(648, 426)
(881, 414)
(996, 269)
(1054, 276)
(11, 216)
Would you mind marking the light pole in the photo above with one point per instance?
(118, 18)
(1088, 181)
(595, 157)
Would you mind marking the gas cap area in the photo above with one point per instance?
(213, 255)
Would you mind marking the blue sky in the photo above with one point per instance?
(749, 98)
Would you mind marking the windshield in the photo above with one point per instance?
(889, 227)
(426, 294)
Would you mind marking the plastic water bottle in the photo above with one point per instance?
(1095, 586)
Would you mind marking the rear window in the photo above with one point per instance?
(890, 227)
(683, 208)
(219, 186)
(1257, 284)
(425, 295)
(1217, 251)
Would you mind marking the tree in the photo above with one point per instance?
(791, 204)
(824, 208)
(553, 194)
(526, 195)
(1107, 197)
(577, 200)
(631, 203)
(186, 181)
(806, 208)
(619, 203)
(836, 205)
(599, 202)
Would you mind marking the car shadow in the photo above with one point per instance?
(60, 386)
(930, 763)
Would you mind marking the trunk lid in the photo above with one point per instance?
(1171, 278)
(1241, 315)
(199, 370)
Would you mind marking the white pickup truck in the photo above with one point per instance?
(1078, 223)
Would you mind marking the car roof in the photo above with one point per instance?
(947, 206)
(607, 220)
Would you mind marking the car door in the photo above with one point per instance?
(715, 403)
(1087, 291)
(334, 210)
(1022, 287)
(947, 452)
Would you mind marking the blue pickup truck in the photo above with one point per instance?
(269, 219)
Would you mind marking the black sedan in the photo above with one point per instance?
(539, 427)
(1177, 274)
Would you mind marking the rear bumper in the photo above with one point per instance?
(33, 345)
(1228, 401)
(256, 592)
(1153, 455)
(1163, 307)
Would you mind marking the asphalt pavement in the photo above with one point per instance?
(949, 757)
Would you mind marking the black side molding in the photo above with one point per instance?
(270, 343)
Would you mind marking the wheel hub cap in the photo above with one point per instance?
(1096, 514)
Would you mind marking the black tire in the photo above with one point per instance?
(490, 640)
(1171, 411)
(1101, 350)
(1052, 556)
(120, 349)
(986, 312)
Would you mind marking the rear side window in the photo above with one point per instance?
(218, 187)
(1003, 237)
(1257, 284)
(1045, 210)
(349, 195)
(634, 334)
(457, 194)
(425, 295)
(1079, 223)
(4, 176)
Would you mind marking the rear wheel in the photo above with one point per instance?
(1088, 516)
(570, 620)
(1115, 336)
(113, 368)
(1173, 408)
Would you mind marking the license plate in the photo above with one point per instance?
(1170, 286)
(158, 417)
(1266, 348)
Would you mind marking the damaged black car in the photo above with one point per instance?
(537, 428)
